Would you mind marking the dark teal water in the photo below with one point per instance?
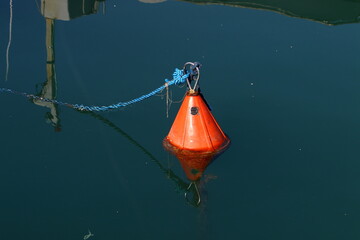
(286, 90)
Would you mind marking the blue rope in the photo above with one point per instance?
(179, 77)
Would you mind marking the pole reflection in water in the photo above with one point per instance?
(57, 10)
(48, 89)
(9, 41)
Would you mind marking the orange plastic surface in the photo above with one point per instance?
(195, 137)
(196, 132)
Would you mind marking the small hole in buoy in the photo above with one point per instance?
(194, 110)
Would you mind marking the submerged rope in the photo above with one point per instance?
(179, 77)
(181, 185)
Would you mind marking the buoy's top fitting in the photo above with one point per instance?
(192, 93)
(193, 68)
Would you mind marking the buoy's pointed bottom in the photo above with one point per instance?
(193, 162)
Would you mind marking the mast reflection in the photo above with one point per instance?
(52, 10)
(48, 88)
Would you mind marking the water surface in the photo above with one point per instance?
(285, 89)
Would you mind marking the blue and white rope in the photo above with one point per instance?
(179, 77)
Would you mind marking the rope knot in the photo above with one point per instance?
(179, 76)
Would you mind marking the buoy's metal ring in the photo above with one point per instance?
(196, 78)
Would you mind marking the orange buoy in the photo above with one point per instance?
(195, 137)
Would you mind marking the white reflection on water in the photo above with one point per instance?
(9, 42)
(89, 235)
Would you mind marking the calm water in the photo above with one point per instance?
(286, 90)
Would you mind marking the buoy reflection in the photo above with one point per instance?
(193, 163)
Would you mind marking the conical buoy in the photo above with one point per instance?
(195, 137)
